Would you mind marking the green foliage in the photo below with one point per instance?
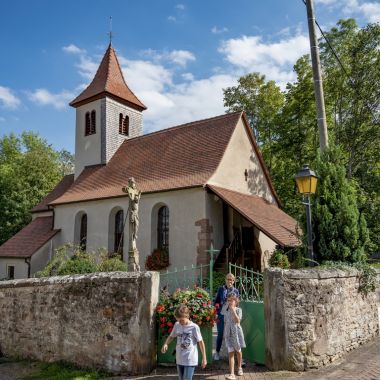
(70, 259)
(367, 274)
(218, 279)
(279, 259)
(340, 230)
(29, 170)
(64, 371)
(197, 300)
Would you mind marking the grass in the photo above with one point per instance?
(64, 371)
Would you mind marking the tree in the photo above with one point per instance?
(29, 169)
(341, 232)
(262, 101)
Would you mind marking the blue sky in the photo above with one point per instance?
(177, 56)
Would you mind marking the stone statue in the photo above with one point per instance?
(134, 197)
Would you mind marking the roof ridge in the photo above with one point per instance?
(201, 121)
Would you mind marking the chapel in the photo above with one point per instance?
(203, 184)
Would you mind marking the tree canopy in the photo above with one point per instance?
(29, 170)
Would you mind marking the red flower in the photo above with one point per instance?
(204, 304)
(170, 324)
(162, 325)
(170, 330)
(217, 306)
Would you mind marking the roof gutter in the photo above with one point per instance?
(28, 262)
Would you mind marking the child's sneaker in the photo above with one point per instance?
(230, 376)
(216, 356)
(240, 371)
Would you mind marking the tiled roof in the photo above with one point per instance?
(174, 158)
(32, 237)
(267, 217)
(109, 80)
(59, 190)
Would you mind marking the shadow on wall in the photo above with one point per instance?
(257, 183)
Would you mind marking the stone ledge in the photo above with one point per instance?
(98, 277)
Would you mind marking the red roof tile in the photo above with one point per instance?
(59, 190)
(178, 157)
(267, 217)
(109, 80)
(32, 237)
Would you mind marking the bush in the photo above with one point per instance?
(219, 279)
(279, 259)
(70, 259)
(197, 300)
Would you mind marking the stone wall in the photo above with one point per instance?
(313, 317)
(102, 320)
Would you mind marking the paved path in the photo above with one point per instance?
(360, 364)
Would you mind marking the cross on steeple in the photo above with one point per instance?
(110, 32)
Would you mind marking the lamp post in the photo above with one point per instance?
(306, 181)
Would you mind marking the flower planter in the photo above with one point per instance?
(169, 357)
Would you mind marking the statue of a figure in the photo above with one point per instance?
(134, 197)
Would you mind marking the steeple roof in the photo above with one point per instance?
(109, 81)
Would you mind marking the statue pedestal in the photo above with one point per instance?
(133, 260)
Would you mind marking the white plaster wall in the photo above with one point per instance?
(38, 214)
(214, 212)
(239, 156)
(21, 268)
(41, 257)
(185, 208)
(87, 148)
(267, 247)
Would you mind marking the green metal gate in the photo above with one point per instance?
(250, 285)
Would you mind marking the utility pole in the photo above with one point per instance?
(318, 86)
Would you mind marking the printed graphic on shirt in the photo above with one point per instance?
(185, 340)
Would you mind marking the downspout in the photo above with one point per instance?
(27, 261)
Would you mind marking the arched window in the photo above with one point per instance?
(118, 240)
(87, 129)
(120, 124)
(83, 232)
(93, 122)
(126, 126)
(163, 228)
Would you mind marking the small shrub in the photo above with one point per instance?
(70, 259)
(218, 280)
(279, 259)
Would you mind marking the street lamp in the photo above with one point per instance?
(306, 181)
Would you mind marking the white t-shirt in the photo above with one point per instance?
(187, 338)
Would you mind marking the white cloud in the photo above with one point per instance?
(87, 67)
(178, 57)
(181, 57)
(216, 30)
(275, 60)
(369, 10)
(44, 97)
(172, 18)
(180, 6)
(187, 76)
(73, 49)
(7, 99)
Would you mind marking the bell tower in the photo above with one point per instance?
(107, 113)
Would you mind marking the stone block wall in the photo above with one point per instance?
(313, 317)
(102, 320)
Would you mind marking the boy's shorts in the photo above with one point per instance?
(231, 349)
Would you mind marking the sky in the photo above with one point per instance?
(176, 56)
